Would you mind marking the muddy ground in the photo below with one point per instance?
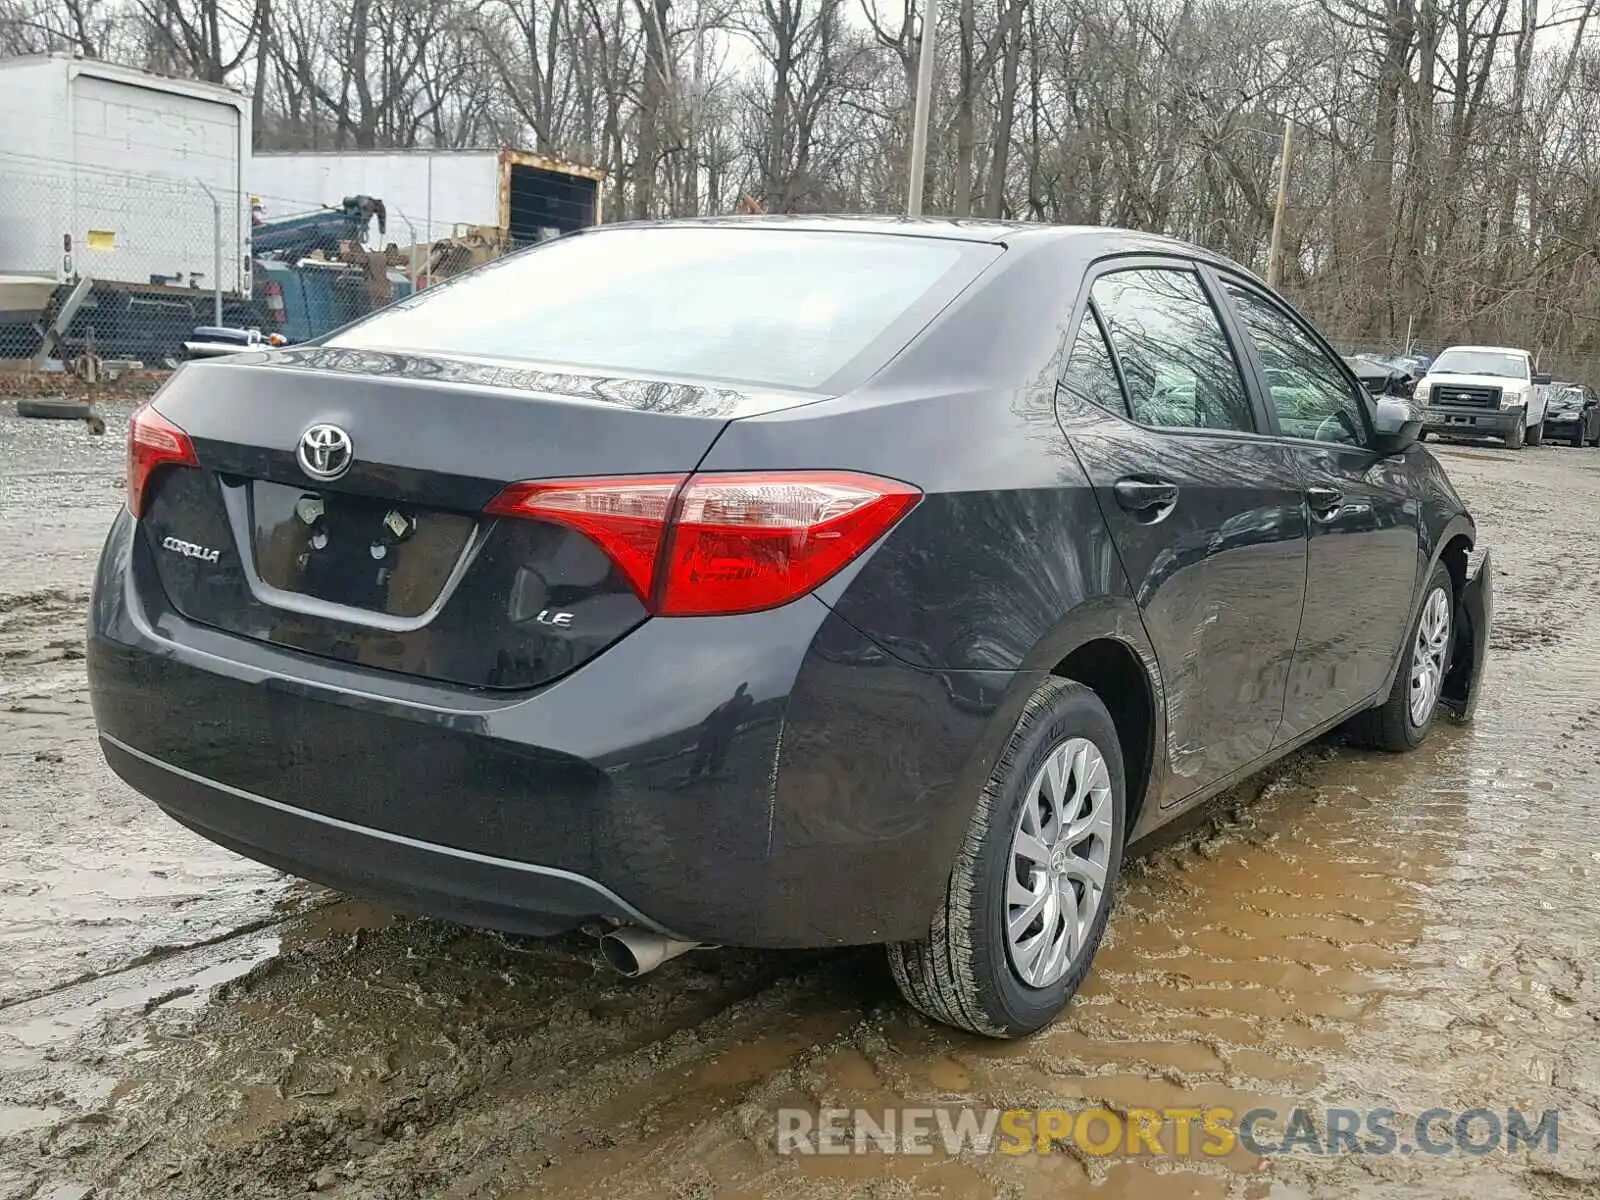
(1348, 930)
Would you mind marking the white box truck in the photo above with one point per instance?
(113, 173)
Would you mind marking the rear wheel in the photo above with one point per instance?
(1030, 894)
(1403, 720)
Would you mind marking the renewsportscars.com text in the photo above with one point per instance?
(1169, 1132)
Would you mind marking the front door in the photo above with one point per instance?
(1365, 546)
(1206, 514)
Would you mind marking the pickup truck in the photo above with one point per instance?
(1485, 391)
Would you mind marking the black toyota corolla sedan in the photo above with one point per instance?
(776, 582)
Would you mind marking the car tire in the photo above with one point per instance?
(1535, 434)
(1393, 726)
(964, 971)
(1517, 437)
(55, 410)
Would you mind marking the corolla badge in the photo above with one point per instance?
(325, 452)
(190, 549)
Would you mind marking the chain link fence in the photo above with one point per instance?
(165, 254)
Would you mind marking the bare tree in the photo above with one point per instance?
(206, 39)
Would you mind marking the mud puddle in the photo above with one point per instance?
(1348, 931)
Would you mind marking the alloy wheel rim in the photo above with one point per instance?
(1060, 858)
(1428, 656)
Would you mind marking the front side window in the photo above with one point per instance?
(1176, 361)
(757, 306)
(1309, 392)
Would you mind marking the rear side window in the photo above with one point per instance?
(1176, 361)
(783, 308)
(1090, 375)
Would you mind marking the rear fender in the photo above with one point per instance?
(1474, 614)
(1107, 618)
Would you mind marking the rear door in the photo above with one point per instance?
(1365, 544)
(1206, 513)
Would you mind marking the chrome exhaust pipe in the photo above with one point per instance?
(633, 952)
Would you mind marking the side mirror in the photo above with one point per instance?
(1396, 423)
(1542, 379)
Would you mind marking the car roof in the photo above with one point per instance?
(1491, 349)
(969, 229)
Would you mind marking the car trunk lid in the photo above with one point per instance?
(391, 562)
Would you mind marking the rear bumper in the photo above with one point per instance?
(1471, 422)
(613, 793)
(410, 875)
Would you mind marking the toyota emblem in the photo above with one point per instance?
(325, 452)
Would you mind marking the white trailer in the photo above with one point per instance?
(117, 174)
(432, 194)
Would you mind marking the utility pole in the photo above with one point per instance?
(1275, 254)
(919, 114)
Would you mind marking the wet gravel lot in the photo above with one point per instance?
(1348, 930)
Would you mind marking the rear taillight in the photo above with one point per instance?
(744, 542)
(720, 543)
(624, 517)
(153, 441)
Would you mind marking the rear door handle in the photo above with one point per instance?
(1145, 497)
(1324, 501)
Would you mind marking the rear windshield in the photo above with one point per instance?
(773, 307)
(1481, 362)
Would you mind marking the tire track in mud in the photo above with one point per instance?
(451, 1058)
(37, 628)
(1556, 555)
